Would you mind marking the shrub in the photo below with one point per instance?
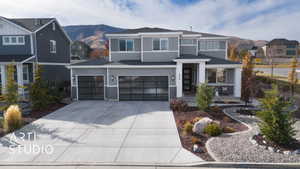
(12, 118)
(213, 129)
(11, 95)
(276, 120)
(188, 127)
(196, 140)
(228, 130)
(178, 105)
(204, 96)
(38, 92)
(196, 119)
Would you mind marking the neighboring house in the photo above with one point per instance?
(80, 50)
(32, 41)
(157, 64)
(257, 54)
(281, 50)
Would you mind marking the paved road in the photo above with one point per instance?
(100, 132)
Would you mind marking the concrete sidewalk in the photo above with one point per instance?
(101, 132)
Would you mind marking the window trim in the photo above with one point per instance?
(53, 50)
(53, 26)
(27, 74)
(10, 43)
(215, 49)
(160, 48)
(126, 49)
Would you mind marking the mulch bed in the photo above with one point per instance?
(35, 115)
(246, 112)
(215, 114)
(294, 145)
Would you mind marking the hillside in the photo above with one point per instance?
(94, 36)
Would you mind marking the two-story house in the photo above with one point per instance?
(157, 64)
(281, 51)
(31, 41)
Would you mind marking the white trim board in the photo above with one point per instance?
(118, 66)
(223, 66)
(49, 63)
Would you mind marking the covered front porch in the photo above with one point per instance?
(223, 75)
(23, 75)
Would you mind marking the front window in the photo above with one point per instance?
(126, 45)
(160, 44)
(25, 74)
(291, 46)
(290, 52)
(52, 46)
(207, 45)
(219, 75)
(13, 40)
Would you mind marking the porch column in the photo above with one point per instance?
(237, 82)
(201, 73)
(3, 78)
(20, 79)
(179, 79)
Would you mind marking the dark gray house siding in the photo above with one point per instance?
(55, 73)
(16, 49)
(192, 50)
(218, 54)
(43, 38)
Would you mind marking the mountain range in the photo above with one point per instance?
(94, 36)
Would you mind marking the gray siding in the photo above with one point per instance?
(16, 49)
(55, 73)
(172, 93)
(111, 93)
(125, 56)
(217, 54)
(159, 56)
(43, 38)
(188, 50)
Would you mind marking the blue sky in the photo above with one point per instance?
(253, 19)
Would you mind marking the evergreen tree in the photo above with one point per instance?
(204, 96)
(11, 95)
(277, 121)
(38, 92)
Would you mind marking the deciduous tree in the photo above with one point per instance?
(292, 76)
(247, 79)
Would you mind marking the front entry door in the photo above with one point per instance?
(187, 79)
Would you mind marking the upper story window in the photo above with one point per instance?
(13, 40)
(291, 46)
(52, 46)
(291, 52)
(207, 45)
(187, 42)
(160, 44)
(53, 26)
(126, 44)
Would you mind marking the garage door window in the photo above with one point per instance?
(143, 88)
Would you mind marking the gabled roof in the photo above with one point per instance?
(283, 42)
(31, 24)
(162, 30)
(213, 60)
(185, 32)
(143, 30)
(14, 58)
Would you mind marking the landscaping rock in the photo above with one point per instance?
(287, 153)
(271, 149)
(296, 151)
(197, 149)
(201, 124)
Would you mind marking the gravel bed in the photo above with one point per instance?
(238, 148)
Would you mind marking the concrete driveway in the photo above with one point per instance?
(100, 132)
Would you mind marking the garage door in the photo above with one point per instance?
(90, 88)
(150, 88)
